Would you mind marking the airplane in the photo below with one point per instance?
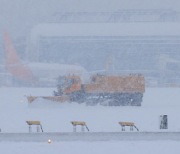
(35, 74)
(42, 74)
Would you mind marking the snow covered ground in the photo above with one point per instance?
(125, 147)
(14, 111)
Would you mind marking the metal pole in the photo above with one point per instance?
(82, 128)
(30, 130)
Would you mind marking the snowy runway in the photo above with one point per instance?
(90, 136)
(105, 136)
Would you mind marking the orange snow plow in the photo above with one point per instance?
(103, 89)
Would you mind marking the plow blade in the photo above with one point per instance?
(51, 98)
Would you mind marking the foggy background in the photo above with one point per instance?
(19, 17)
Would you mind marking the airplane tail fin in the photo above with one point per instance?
(13, 62)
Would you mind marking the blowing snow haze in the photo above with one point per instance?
(123, 36)
(106, 69)
(18, 16)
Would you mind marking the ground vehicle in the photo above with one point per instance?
(103, 89)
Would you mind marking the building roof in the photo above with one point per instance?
(106, 29)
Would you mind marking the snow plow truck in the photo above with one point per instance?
(124, 90)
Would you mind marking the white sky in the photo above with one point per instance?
(17, 16)
(85, 5)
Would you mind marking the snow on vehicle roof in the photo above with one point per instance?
(106, 29)
(56, 69)
(53, 70)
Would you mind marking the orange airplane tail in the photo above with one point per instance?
(13, 63)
